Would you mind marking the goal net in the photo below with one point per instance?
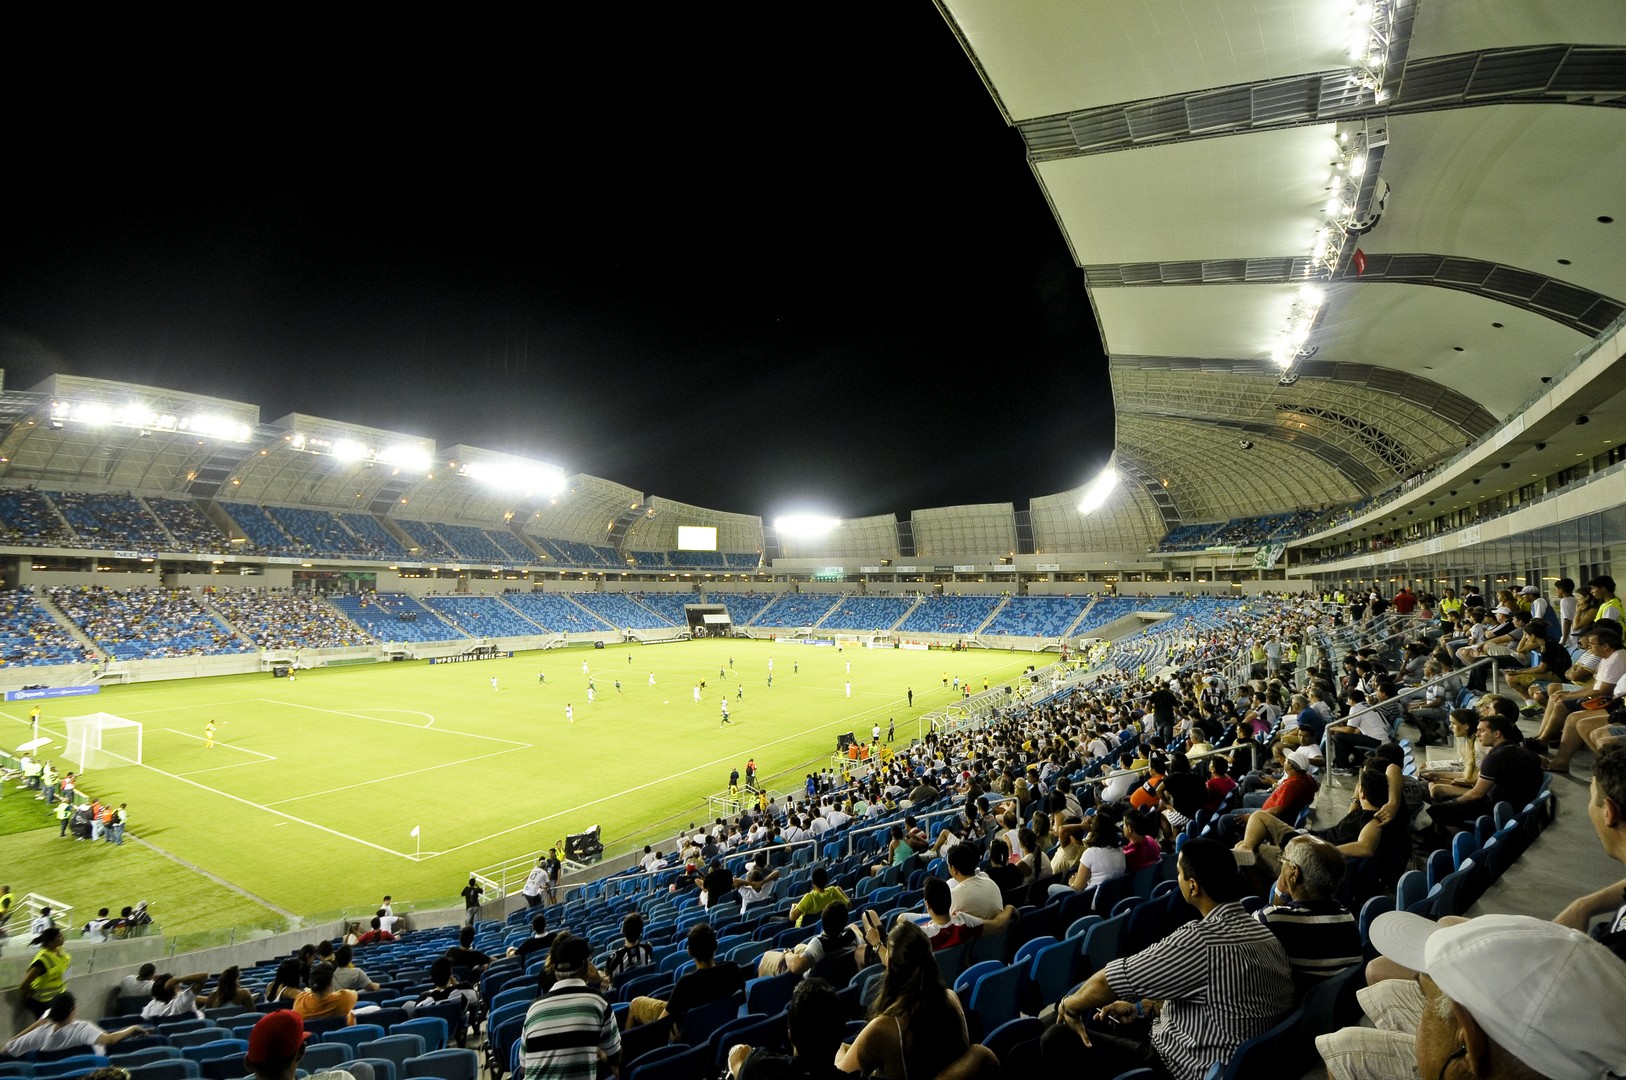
(103, 741)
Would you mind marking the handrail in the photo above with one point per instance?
(852, 834)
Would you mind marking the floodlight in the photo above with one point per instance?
(407, 456)
(529, 477)
(1095, 496)
(348, 450)
(804, 525)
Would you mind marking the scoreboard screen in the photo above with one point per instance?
(697, 538)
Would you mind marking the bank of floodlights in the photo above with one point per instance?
(145, 420)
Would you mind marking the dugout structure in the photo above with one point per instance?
(103, 741)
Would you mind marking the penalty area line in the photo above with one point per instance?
(402, 776)
(397, 723)
(278, 813)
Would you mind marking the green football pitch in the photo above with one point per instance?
(309, 796)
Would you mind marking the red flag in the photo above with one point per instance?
(1358, 261)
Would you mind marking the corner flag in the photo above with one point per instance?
(414, 831)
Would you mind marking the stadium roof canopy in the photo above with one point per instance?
(1328, 244)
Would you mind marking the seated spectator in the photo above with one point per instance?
(378, 935)
(60, 1029)
(1161, 1005)
(1509, 772)
(229, 991)
(1000, 870)
(708, 982)
(820, 896)
(276, 1046)
(1511, 997)
(287, 985)
(539, 940)
(1365, 728)
(970, 890)
(1219, 783)
(324, 999)
(465, 955)
(943, 927)
(1141, 848)
(916, 1026)
(139, 984)
(175, 995)
(830, 955)
(1452, 779)
(817, 1019)
(1320, 934)
(1606, 806)
(1359, 834)
(445, 989)
(1602, 639)
(634, 952)
(346, 975)
(1103, 858)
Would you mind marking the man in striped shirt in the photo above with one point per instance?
(1205, 989)
(570, 1030)
(1319, 934)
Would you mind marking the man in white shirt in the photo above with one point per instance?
(971, 891)
(1365, 727)
(175, 995)
(1119, 788)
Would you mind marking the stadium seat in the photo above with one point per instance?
(446, 1064)
(699, 1022)
(217, 1049)
(433, 1030)
(381, 1068)
(321, 1056)
(353, 1036)
(173, 1069)
(68, 1066)
(679, 1062)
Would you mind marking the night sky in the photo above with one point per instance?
(756, 259)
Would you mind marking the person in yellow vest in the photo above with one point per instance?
(1602, 589)
(46, 976)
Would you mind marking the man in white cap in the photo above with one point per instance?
(1499, 997)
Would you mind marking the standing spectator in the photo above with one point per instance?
(44, 979)
(471, 901)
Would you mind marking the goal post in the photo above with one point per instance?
(103, 741)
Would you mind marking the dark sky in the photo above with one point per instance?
(750, 258)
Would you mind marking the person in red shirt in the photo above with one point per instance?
(1140, 850)
(376, 935)
(1219, 783)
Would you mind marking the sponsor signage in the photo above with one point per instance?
(52, 692)
(1048, 567)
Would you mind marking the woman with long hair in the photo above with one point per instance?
(230, 991)
(916, 1027)
(286, 986)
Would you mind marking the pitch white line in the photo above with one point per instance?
(397, 723)
(402, 776)
(225, 746)
(217, 768)
(278, 813)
